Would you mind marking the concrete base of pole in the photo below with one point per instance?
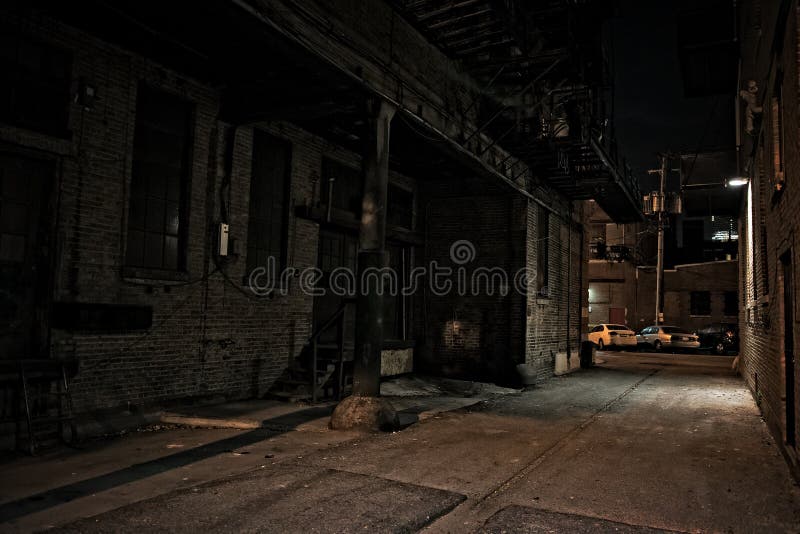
(372, 414)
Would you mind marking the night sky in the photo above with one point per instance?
(651, 113)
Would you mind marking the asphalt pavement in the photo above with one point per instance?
(642, 443)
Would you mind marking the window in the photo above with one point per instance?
(397, 307)
(36, 86)
(400, 209)
(700, 303)
(597, 232)
(267, 229)
(161, 155)
(764, 253)
(543, 251)
(777, 135)
(731, 303)
(346, 185)
(597, 240)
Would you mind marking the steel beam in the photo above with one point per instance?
(372, 254)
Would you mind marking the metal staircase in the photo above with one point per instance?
(322, 370)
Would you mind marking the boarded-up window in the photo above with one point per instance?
(269, 191)
(161, 156)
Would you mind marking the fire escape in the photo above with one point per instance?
(546, 88)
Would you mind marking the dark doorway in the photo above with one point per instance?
(788, 345)
(24, 261)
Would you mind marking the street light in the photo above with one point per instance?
(737, 181)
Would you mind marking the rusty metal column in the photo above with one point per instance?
(372, 254)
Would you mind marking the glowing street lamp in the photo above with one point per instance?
(737, 181)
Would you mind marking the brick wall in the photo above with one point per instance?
(210, 338)
(769, 220)
(485, 336)
(547, 317)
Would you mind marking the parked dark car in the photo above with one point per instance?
(721, 338)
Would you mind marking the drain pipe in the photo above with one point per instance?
(569, 282)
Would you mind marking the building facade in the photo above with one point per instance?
(695, 295)
(615, 251)
(149, 169)
(768, 266)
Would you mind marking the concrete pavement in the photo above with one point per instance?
(646, 441)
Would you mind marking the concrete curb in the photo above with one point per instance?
(209, 422)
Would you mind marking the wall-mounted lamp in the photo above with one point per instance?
(737, 181)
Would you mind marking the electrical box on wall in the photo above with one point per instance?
(222, 250)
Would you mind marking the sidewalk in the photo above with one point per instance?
(197, 445)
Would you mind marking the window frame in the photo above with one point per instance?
(180, 272)
(542, 252)
(352, 207)
(286, 180)
(778, 135)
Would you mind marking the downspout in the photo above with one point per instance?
(569, 284)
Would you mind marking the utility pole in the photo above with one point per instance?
(662, 172)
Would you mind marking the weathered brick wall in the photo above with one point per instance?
(458, 333)
(209, 338)
(547, 317)
(761, 301)
(485, 336)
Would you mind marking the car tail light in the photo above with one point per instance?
(613, 334)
